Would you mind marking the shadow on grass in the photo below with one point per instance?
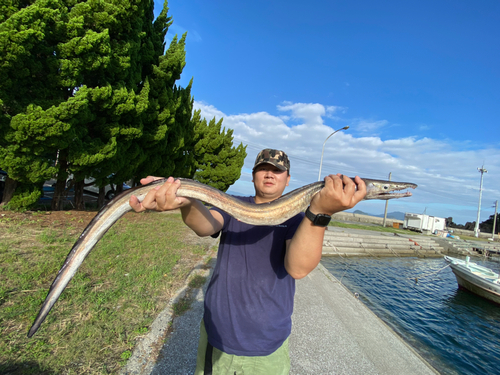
(24, 368)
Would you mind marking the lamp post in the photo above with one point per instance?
(321, 162)
(476, 228)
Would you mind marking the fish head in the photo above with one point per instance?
(381, 189)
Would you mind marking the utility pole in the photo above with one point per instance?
(386, 202)
(494, 221)
(476, 229)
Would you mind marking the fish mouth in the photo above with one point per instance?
(392, 195)
(385, 190)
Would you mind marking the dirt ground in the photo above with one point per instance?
(78, 219)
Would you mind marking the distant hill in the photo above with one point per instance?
(398, 215)
(237, 193)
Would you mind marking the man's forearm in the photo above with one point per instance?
(197, 217)
(304, 250)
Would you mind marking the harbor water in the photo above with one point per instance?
(455, 331)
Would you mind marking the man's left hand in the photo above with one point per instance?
(340, 193)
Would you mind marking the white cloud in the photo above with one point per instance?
(366, 126)
(446, 172)
(310, 113)
(208, 111)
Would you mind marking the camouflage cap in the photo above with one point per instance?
(275, 157)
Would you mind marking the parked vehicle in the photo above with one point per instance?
(424, 223)
(109, 190)
(91, 189)
(3, 177)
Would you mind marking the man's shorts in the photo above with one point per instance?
(277, 363)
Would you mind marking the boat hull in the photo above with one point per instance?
(476, 284)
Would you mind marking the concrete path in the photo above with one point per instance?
(333, 333)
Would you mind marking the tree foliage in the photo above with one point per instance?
(88, 88)
(485, 226)
(218, 163)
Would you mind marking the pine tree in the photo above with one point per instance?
(28, 71)
(88, 89)
(168, 132)
(75, 92)
(218, 163)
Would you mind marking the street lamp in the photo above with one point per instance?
(476, 228)
(321, 162)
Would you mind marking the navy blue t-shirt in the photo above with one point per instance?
(249, 301)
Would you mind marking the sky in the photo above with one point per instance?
(417, 82)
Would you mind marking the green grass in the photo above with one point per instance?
(113, 298)
(375, 228)
(183, 305)
(197, 281)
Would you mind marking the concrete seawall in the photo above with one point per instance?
(367, 219)
(357, 218)
(355, 242)
(470, 233)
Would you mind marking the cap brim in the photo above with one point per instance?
(279, 166)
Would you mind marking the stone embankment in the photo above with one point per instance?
(470, 233)
(469, 247)
(364, 219)
(346, 242)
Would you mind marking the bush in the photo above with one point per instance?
(25, 197)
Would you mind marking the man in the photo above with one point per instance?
(249, 301)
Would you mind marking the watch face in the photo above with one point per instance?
(322, 220)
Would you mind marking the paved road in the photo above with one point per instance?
(333, 333)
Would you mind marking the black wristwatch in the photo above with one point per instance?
(320, 220)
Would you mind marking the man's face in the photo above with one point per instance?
(269, 182)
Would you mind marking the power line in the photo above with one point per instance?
(294, 157)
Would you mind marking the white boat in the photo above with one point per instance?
(475, 278)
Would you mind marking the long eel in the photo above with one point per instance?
(273, 213)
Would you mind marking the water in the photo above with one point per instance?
(454, 330)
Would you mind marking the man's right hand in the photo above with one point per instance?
(161, 198)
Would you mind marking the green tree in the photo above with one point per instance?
(487, 225)
(27, 76)
(217, 162)
(88, 89)
(85, 86)
(168, 132)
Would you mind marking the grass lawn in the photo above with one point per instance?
(112, 300)
(375, 228)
